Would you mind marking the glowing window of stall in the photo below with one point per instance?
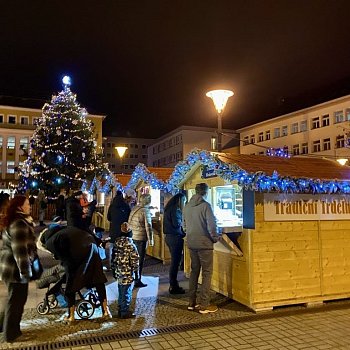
(227, 204)
(155, 199)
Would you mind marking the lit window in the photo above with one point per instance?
(24, 142)
(338, 117)
(276, 133)
(303, 125)
(294, 129)
(11, 142)
(10, 167)
(284, 130)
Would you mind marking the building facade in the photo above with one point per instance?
(320, 130)
(172, 147)
(17, 125)
(135, 154)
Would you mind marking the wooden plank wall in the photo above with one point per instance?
(299, 261)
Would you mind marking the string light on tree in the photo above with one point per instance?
(62, 150)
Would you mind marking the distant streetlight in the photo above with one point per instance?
(121, 151)
(342, 161)
(219, 98)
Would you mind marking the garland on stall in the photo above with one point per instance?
(142, 173)
(104, 186)
(258, 181)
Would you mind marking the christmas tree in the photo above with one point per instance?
(62, 150)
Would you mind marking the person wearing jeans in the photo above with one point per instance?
(199, 224)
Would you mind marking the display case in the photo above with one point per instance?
(227, 204)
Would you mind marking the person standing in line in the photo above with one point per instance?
(140, 222)
(42, 202)
(174, 238)
(18, 249)
(199, 223)
(118, 212)
(126, 263)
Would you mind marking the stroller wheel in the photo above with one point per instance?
(42, 308)
(85, 309)
(53, 302)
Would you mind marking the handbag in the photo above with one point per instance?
(37, 268)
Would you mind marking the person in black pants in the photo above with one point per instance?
(15, 270)
(174, 238)
(118, 213)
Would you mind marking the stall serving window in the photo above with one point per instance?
(227, 204)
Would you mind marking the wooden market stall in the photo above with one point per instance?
(151, 180)
(286, 240)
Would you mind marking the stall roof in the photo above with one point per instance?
(123, 179)
(161, 173)
(296, 167)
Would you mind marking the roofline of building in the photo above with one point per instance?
(191, 128)
(40, 110)
(304, 110)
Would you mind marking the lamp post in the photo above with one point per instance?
(219, 98)
(121, 151)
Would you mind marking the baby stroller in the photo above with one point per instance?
(53, 279)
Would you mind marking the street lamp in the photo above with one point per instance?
(121, 151)
(219, 98)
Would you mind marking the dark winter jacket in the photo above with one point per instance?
(172, 221)
(199, 223)
(74, 213)
(118, 212)
(17, 250)
(78, 252)
(126, 260)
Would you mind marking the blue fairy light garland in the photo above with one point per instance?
(258, 181)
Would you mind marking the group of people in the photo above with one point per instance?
(77, 249)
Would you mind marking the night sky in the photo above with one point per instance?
(147, 64)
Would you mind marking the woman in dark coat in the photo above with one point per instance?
(118, 213)
(15, 270)
(174, 238)
(78, 252)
